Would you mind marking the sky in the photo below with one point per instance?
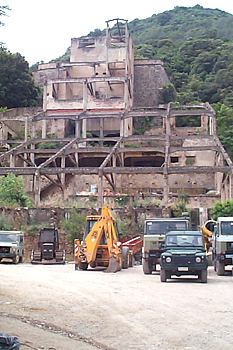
(41, 30)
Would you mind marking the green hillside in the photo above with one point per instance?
(196, 46)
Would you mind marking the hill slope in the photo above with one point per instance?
(196, 45)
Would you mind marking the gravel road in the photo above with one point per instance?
(56, 307)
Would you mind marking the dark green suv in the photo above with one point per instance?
(184, 254)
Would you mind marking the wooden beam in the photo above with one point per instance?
(110, 181)
(11, 151)
(51, 159)
(107, 159)
(117, 170)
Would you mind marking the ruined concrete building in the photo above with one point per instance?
(103, 125)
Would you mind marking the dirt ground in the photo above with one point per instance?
(56, 307)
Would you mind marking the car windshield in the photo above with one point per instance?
(227, 228)
(9, 238)
(162, 227)
(184, 240)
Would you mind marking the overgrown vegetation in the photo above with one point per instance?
(5, 224)
(74, 226)
(224, 208)
(12, 193)
(50, 144)
(34, 228)
(180, 205)
(123, 226)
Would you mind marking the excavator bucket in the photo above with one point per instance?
(114, 265)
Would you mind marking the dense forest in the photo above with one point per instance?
(196, 46)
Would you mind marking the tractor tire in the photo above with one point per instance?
(125, 257)
(147, 269)
(163, 275)
(203, 276)
(220, 269)
(131, 260)
(83, 266)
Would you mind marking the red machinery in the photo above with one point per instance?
(135, 246)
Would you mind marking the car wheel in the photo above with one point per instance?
(146, 267)
(203, 276)
(163, 275)
(220, 269)
(16, 259)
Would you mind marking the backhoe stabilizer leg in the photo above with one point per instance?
(114, 265)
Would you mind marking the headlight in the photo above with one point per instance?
(168, 259)
(198, 259)
(13, 250)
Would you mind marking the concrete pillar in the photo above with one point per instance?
(85, 96)
(84, 128)
(122, 127)
(126, 94)
(230, 186)
(114, 159)
(37, 188)
(45, 98)
(63, 165)
(32, 155)
(44, 129)
(101, 130)
(77, 128)
(26, 129)
(12, 161)
(165, 191)
(100, 191)
(76, 158)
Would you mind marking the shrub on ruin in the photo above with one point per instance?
(74, 226)
(12, 193)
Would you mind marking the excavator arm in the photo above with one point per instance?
(103, 228)
(207, 232)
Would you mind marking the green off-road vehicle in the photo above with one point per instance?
(154, 238)
(11, 246)
(184, 254)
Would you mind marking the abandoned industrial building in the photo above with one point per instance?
(95, 109)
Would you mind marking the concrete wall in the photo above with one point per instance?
(149, 78)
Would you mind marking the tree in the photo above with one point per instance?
(12, 193)
(3, 12)
(17, 88)
(74, 226)
(224, 115)
(168, 93)
(222, 209)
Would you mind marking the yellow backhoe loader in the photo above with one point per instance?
(207, 231)
(100, 246)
